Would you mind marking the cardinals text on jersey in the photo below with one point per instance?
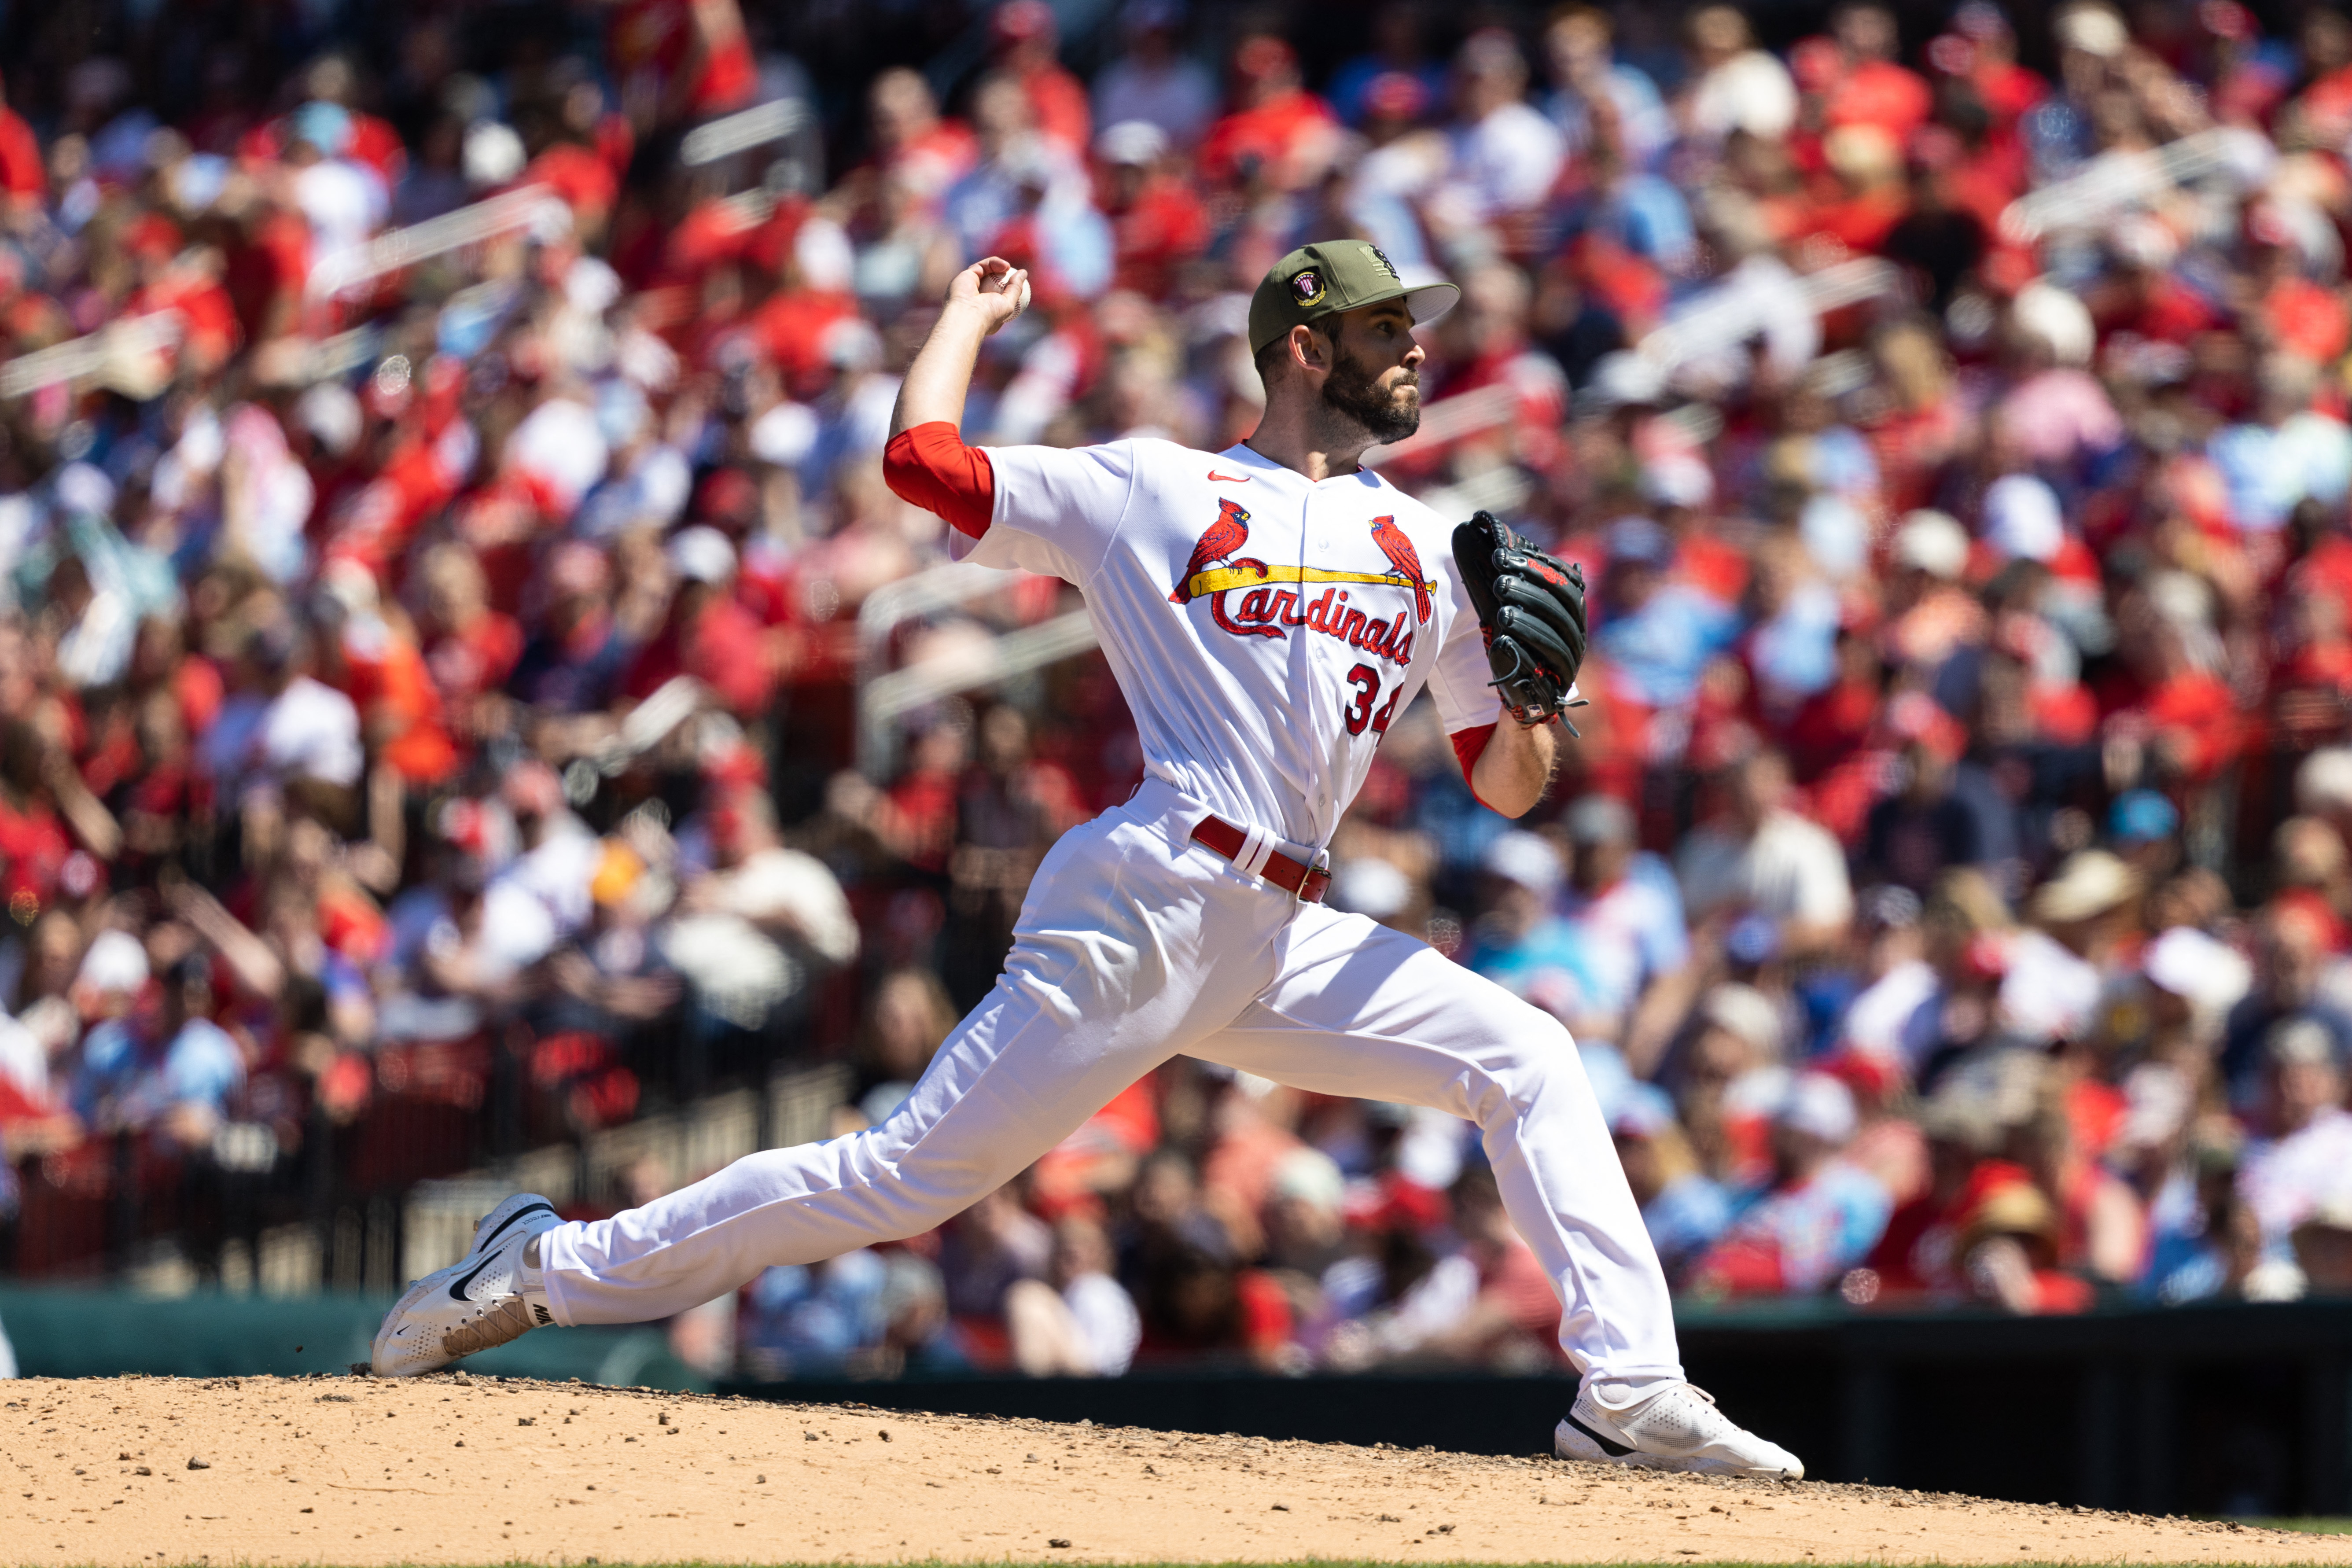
(1266, 609)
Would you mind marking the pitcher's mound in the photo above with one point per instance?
(456, 1469)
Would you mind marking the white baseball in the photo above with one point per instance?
(996, 285)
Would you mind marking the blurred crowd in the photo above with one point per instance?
(431, 662)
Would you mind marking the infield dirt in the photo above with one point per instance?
(457, 1469)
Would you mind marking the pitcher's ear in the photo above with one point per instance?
(1310, 348)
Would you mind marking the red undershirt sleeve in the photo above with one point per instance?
(1469, 745)
(929, 466)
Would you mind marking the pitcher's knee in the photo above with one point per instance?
(1531, 1059)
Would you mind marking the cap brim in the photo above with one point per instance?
(1428, 301)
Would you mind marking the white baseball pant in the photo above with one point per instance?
(1136, 944)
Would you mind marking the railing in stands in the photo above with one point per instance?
(532, 208)
(885, 696)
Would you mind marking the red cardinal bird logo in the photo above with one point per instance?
(1406, 560)
(1222, 541)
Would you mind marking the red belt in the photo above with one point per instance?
(1295, 877)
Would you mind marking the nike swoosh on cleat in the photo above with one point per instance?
(486, 1242)
(1228, 478)
(1615, 1450)
(458, 1286)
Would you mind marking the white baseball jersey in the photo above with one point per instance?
(1265, 628)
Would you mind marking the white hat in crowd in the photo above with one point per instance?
(115, 963)
(1819, 1106)
(1677, 478)
(1525, 858)
(2202, 970)
(2089, 883)
(1134, 141)
(702, 554)
(1934, 542)
(2324, 782)
(1310, 1176)
(2021, 520)
(1744, 1011)
(2093, 29)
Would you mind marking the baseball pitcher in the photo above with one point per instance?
(1268, 610)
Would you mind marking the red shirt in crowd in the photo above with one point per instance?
(721, 646)
(1880, 94)
(652, 42)
(1058, 106)
(2306, 319)
(585, 181)
(23, 173)
(1266, 136)
(33, 850)
(1166, 227)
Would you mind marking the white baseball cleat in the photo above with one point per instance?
(1677, 1428)
(485, 1299)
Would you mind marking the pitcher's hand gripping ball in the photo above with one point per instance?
(1531, 609)
(1014, 279)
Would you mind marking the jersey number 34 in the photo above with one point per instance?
(1367, 682)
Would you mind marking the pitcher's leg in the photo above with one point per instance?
(1108, 977)
(1001, 1093)
(1358, 1009)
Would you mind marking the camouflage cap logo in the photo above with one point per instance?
(1308, 287)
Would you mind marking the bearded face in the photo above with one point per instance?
(1386, 405)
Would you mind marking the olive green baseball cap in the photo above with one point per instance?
(1332, 276)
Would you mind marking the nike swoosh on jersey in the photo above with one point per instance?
(1228, 478)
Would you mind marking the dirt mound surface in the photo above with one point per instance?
(458, 1469)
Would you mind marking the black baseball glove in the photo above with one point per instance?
(1531, 609)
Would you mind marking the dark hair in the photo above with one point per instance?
(1266, 358)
